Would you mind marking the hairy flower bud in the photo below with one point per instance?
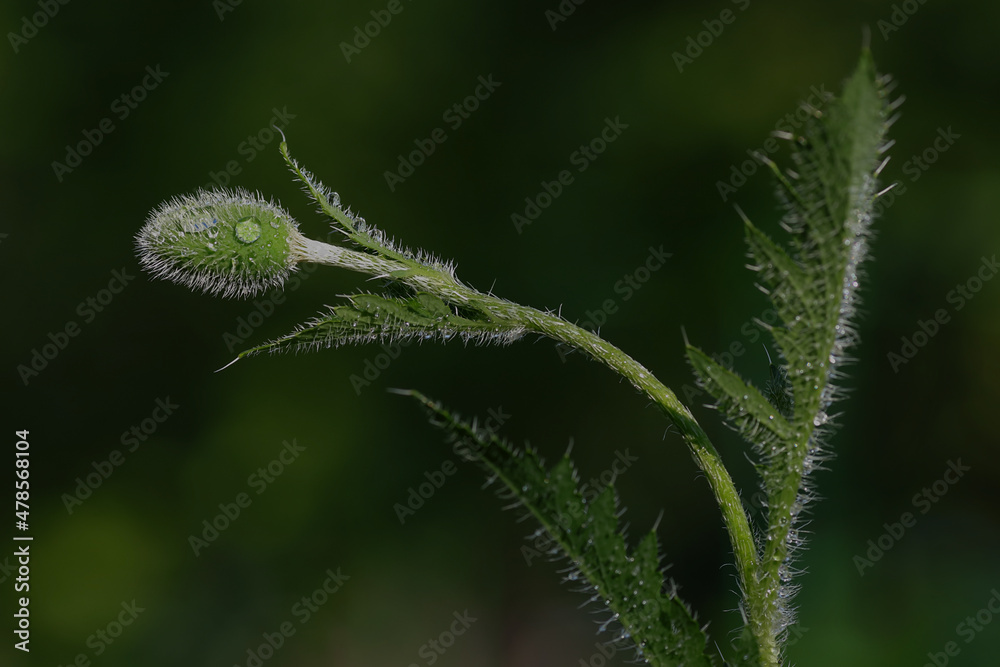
(226, 243)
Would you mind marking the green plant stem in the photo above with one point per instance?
(424, 278)
(701, 448)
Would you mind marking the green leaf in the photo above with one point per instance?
(744, 406)
(630, 587)
(778, 391)
(371, 318)
(828, 197)
(354, 227)
(786, 282)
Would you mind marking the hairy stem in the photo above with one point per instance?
(701, 448)
(563, 331)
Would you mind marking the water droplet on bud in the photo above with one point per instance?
(247, 230)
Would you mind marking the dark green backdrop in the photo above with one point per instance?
(223, 71)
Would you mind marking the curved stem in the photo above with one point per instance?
(701, 448)
(423, 278)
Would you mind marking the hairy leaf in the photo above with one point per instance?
(828, 197)
(372, 317)
(629, 586)
(353, 226)
(742, 403)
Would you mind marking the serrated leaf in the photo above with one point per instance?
(372, 317)
(356, 228)
(409, 311)
(742, 403)
(631, 587)
(828, 197)
(787, 282)
(778, 391)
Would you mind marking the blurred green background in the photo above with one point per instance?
(225, 69)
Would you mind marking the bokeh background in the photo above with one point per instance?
(229, 67)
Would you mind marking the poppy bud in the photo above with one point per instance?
(229, 243)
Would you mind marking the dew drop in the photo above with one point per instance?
(247, 230)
